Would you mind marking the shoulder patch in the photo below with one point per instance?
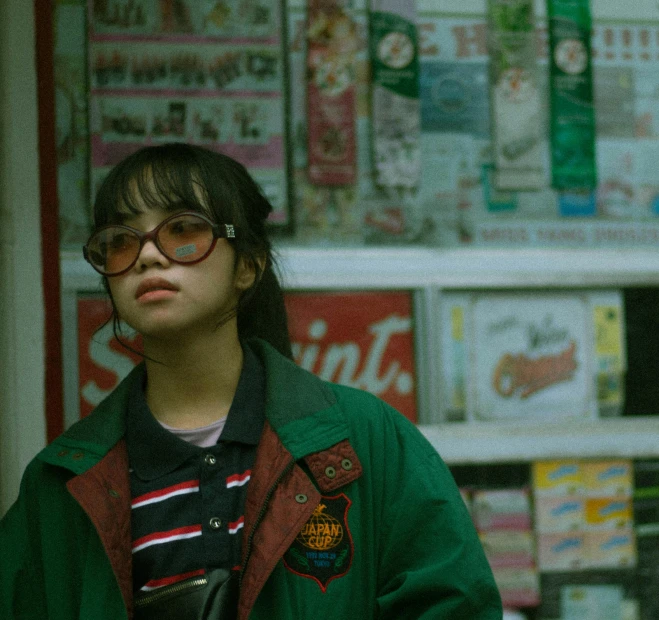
(323, 549)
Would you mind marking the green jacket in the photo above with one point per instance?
(350, 513)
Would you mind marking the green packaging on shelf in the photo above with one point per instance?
(516, 126)
(571, 95)
(396, 112)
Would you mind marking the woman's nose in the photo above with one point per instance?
(150, 255)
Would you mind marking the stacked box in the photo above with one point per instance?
(503, 520)
(584, 516)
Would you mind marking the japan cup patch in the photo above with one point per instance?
(323, 549)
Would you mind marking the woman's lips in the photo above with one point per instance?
(155, 288)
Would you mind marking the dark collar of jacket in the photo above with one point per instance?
(303, 421)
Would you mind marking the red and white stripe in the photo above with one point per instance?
(154, 584)
(237, 480)
(159, 538)
(182, 488)
(236, 525)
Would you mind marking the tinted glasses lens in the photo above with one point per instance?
(112, 250)
(186, 238)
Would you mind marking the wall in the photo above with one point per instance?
(22, 422)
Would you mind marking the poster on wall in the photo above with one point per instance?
(203, 73)
(363, 340)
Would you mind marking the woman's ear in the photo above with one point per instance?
(246, 272)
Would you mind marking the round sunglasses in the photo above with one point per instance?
(184, 238)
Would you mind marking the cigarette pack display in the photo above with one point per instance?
(558, 478)
(611, 549)
(591, 602)
(562, 552)
(532, 356)
(503, 509)
(608, 478)
(608, 513)
(519, 587)
(509, 549)
(559, 514)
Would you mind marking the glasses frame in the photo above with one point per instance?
(220, 231)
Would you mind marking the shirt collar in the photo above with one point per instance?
(153, 451)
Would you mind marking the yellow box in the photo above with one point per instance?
(559, 514)
(558, 477)
(611, 549)
(613, 478)
(608, 513)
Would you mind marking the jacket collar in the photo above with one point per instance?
(301, 409)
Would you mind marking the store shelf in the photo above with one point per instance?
(369, 268)
(464, 443)
(407, 267)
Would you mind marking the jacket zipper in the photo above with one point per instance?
(173, 589)
(260, 517)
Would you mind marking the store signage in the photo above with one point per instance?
(364, 340)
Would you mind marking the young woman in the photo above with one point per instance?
(220, 480)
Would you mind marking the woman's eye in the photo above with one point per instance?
(118, 241)
(179, 227)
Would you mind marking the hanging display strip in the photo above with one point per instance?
(515, 97)
(396, 111)
(190, 72)
(331, 93)
(571, 98)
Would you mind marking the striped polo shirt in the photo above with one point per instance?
(188, 502)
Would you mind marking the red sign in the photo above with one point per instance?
(102, 361)
(364, 340)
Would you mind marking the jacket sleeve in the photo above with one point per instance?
(431, 562)
(21, 578)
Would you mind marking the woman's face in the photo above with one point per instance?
(162, 299)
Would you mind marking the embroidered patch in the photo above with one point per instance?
(323, 549)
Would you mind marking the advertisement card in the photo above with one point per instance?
(531, 358)
(361, 339)
(211, 74)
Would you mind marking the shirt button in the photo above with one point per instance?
(209, 459)
(330, 472)
(215, 523)
(301, 498)
(346, 464)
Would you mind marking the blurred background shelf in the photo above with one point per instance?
(420, 268)
(488, 442)
(402, 267)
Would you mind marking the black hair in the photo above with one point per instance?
(170, 175)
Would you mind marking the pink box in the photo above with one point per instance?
(508, 509)
(562, 552)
